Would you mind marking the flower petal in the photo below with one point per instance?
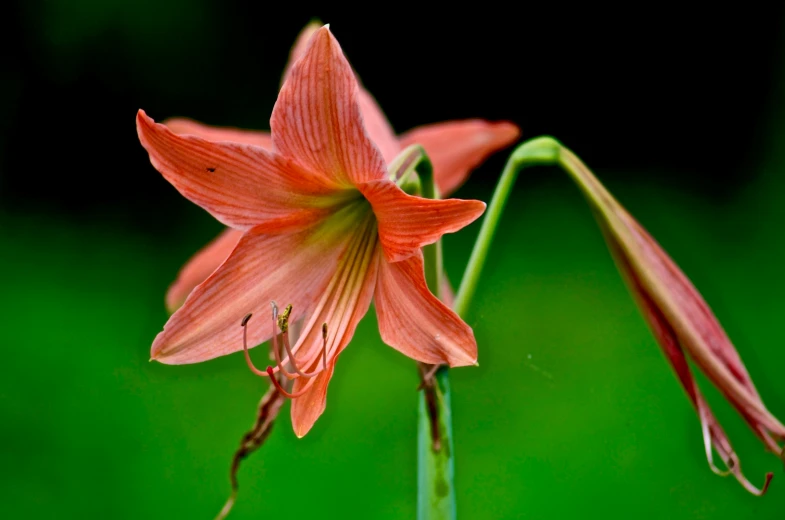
(183, 126)
(407, 223)
(200, 266)
(343, 304)
(307, 408)
(266, 265)
(457, 147)
(376, 124)
(240, 185)
(317, 121)
(415, 322)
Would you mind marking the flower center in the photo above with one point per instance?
(311, 354)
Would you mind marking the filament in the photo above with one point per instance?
(248, 360)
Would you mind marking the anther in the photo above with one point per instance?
(283, 324)
(245, 320)
(283, 319)
(276, 353)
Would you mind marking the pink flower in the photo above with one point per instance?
(322, 226)
(455, 148)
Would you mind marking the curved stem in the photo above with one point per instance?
(537, 151)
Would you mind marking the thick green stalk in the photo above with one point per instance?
(435, 463)
(435, 460)
(541, 150)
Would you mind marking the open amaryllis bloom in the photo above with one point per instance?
(683, 325)
(455, 148)
(325, 229)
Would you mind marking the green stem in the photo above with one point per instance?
(435, 463)
(537, 151)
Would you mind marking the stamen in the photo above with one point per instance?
(276, 353)
(283, 324)
(281, 389)
(248, 361)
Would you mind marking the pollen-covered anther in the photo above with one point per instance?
(283, 324)
(283, 319)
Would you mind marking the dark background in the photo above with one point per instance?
(678, 109)
(682, 91)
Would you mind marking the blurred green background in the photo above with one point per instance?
(572, 412)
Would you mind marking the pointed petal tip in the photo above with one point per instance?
(468, 359)
(141, 116)
(143, 122)
(172, 304)
(162, 358)
(323, 32)
(507, 131)
(158, 352)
